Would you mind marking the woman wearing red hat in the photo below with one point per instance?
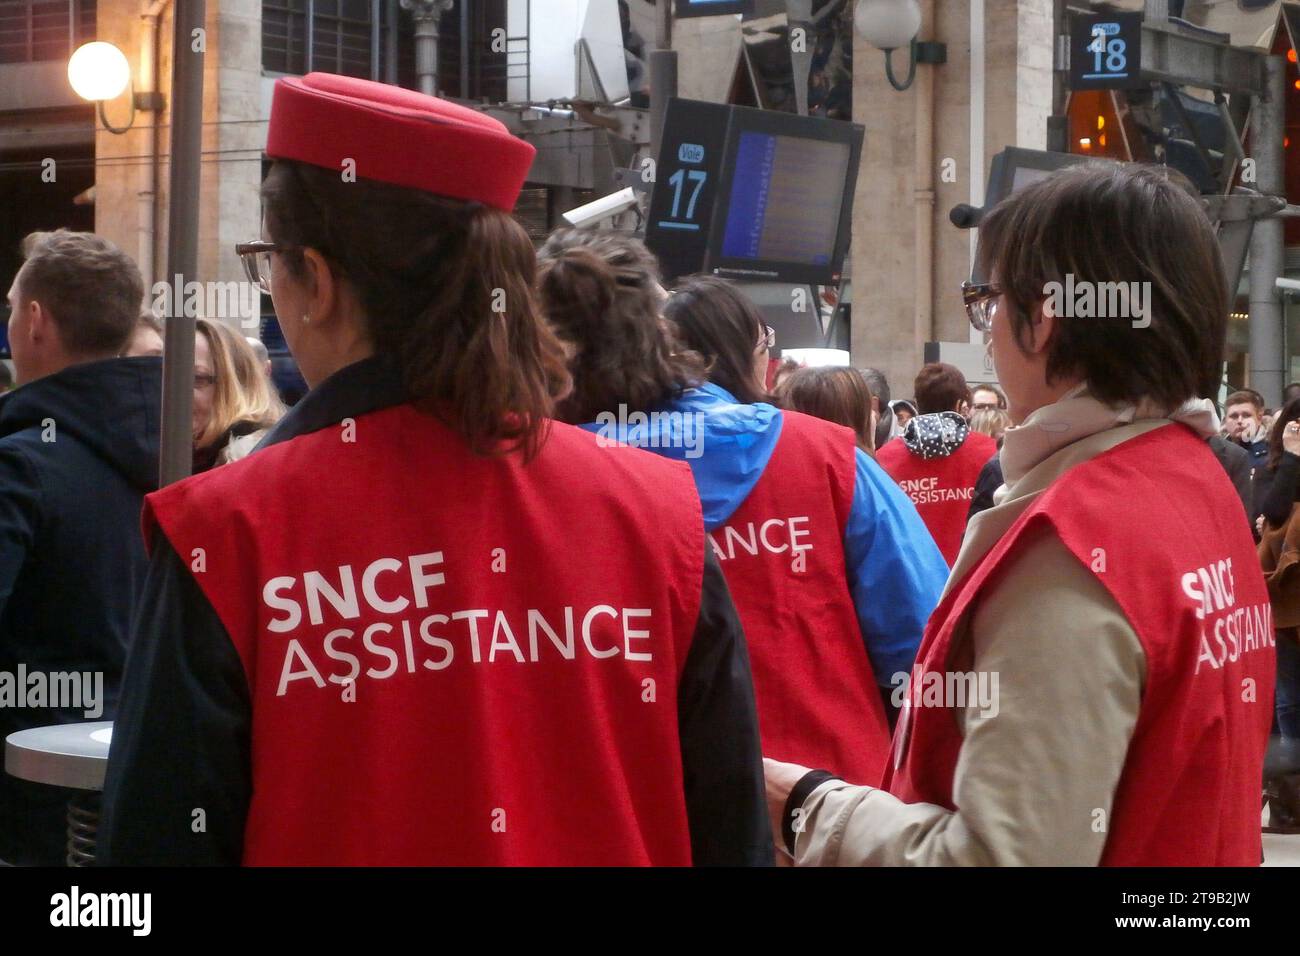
(423, 624)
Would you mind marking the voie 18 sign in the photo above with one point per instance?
(1106, 51)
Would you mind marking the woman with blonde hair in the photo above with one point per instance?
(234, 402)
(990, 421)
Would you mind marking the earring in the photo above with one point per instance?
(306, 318)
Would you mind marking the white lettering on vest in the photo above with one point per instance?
(344, 656)
(372, 596)
(586, 630)
(442, 643)
(368, 639)
(629, 634)
(1229, 632)
(926, 491)
(774, 535)
(334, 655)
(287, 674)
(535, 620)
(345, 603)
(271, 597)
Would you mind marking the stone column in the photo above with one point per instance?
(1018, 89)
(233, 138)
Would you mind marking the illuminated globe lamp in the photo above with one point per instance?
(99, 72)
(890, 24)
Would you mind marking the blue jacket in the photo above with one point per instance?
(896, 573)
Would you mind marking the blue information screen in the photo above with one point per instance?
(786, 196)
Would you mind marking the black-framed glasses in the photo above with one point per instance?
(981, 301)
(256, 257)
(767, 340)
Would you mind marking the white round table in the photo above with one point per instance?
(66, 755)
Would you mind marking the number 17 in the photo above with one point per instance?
(697, 176)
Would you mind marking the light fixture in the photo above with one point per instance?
(99, 72)
(890, 24)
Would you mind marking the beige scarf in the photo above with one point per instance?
(1076, 415)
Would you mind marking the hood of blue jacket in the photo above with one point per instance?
(113, 406)
(727, 444)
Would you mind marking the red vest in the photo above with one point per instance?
(782, 552)
(1148, 517)
(941, 488)
(453, 659)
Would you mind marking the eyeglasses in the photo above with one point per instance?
(767, 340)
(256, 257)
(981, 301)
(204, 380)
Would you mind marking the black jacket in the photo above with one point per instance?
(1237, 462)
(183, 736)
(988, 482)
(78, 451)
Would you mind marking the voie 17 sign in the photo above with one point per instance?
(1106, 51)
(686, 184)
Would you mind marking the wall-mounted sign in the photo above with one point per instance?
(1106, 51)
(753, 194)
(713, 8)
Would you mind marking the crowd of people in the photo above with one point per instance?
(548, 568)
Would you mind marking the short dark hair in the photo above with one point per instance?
(91, 288)
(1245, 396)
(940, 387)
(1115, 223)
(717, 321)
(986, 387)
(1291, 391)
(879, 386)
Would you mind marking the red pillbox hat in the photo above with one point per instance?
(397, 136)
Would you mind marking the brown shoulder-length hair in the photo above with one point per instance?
(717, 320)
(241, 390)
(447, 289)
(834, 393)
(1290, 412)
(1115, 223)
(602, 295)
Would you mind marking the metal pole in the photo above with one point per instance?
(375, 29)
(1057, 123)
(798, 15)
(182, 239)
(464, 49)
(390, 42)
(1266, 244)
(663, 74)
